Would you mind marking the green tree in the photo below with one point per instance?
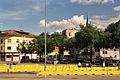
(114, 30)
(24, 48)
(90, 37)
(55, 39)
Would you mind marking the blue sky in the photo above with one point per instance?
(28, 15)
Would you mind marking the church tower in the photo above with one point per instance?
(87, 23)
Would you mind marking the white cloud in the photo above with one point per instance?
(91, 1)
(58, 31)
(117, 8)
(97, 17)
(103, 22)
(17, 18)
(4, 25)
(99, 21)
(13, 15)
(37, 8)
(75, 21)
(21, 9)
(1, 25)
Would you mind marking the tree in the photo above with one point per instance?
(38, 44)
(114, 30)
(56, 39)
(23, 48)
(90, 37)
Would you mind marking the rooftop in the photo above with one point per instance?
(17, 33)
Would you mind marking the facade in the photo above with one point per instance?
(9, 40)
(110, 54)
(70, 33)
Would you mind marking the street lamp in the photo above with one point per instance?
(119, 56)
(45, 32)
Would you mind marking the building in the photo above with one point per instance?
(9, 40)
(70, 33)
(110, 54)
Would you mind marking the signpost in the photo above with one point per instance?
(56, 51)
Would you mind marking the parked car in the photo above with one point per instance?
(64, 61)
(85, 64)
(50, 61)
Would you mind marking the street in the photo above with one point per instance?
(31, 76)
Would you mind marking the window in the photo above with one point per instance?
(17, 41)
(8, 48)
(114, 49)
(69, 34)
(2, 56)
(17, 48)
(16, 55)
(104, 52)
(9, 56)
(115, 56)
(1, 41)
(9, 40)
(1, 48)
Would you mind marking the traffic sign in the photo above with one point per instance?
(56, 50)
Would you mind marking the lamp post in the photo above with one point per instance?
(45, 33)
(119, 56)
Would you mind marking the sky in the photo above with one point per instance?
(29, 15)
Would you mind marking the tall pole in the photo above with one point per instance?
(45, 32)
(119, 55)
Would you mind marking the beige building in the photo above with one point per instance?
(9, 40)
(110, 53)
(70, 33)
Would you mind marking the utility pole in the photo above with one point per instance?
(119, 55)
(45, 33)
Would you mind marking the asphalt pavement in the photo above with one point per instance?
(31, 76)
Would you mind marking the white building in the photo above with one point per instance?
(9, 41)
(110, 53)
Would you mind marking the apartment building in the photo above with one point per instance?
(113, 54)
(9, 40)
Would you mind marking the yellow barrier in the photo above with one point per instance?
(4, 68)
(74, 70)
(60, 69)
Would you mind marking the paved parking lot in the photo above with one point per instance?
(30, 76)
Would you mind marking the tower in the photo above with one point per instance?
(87, 24)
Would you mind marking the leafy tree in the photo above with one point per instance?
(90, 37)
(38, 44)
(114, 30)
(24, 48)
(56, 39)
